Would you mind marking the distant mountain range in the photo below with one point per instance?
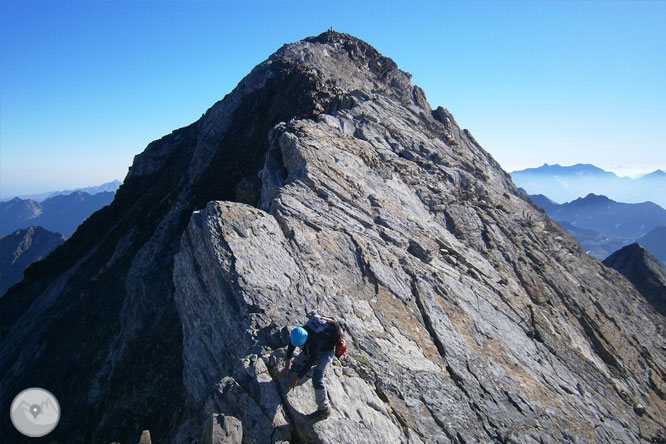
(109, 186)
(20, 249)
(606, 216)
(566, 183)
(602, 225)
(61, 213)
(31, 229)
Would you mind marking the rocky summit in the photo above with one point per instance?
(324, 182)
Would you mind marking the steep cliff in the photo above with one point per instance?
(325, 182)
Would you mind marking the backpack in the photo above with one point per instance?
(331, 328)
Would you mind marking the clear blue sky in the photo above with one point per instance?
(86, 85)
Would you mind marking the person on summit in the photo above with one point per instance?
(320, 338)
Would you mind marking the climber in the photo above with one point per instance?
(318, 338)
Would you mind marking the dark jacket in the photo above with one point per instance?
(316, 344)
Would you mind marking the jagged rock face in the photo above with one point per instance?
(644, 271)
(335, 188)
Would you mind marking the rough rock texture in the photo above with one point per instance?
(325, 182)
(224, 430)
(20, 249)
(644, 271)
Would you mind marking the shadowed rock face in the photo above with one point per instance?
(644, 271)
(324, 182)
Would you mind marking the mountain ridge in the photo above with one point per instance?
(567, 183)
(579, 169)
(61, 213)
(603, 225)
(20, 249)
(607, 216)
(325, 182)
(94, 189)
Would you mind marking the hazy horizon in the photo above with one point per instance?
(86, 86)
(622, 173)
(631, 173)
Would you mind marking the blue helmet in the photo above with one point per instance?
(298, 336)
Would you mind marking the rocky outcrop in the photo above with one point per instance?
(644, 271)
(324, 182)
(20, 249)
